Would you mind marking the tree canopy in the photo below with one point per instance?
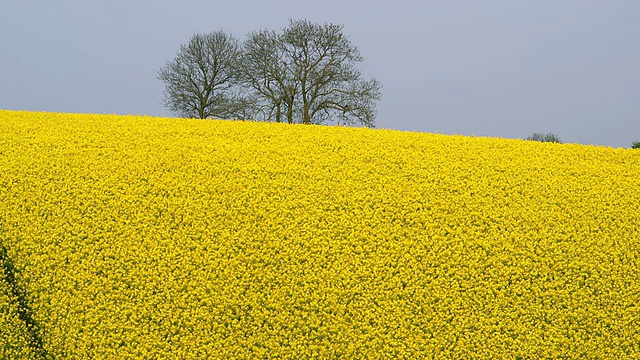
(198, 80)
(304, 74)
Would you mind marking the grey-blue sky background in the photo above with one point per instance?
(502, 68)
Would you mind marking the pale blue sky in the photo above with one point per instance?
(502, 68)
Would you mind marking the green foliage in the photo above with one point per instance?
(17, 297)
(550, 137)
(635, 145)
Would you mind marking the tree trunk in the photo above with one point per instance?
(290, 110)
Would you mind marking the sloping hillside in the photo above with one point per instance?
(139, 237)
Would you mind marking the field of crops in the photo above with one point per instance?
(138, 237)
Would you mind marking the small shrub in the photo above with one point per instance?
(635, 145)
(550, 137)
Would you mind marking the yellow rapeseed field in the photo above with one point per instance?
(132, 237)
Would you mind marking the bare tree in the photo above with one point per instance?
(198, 82)
(307, 75)
(264, 70)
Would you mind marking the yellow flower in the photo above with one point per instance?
(140, 237)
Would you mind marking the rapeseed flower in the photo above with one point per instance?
(141, 237)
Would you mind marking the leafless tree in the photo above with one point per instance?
(307, 74)
(264, 70)
(199, 81)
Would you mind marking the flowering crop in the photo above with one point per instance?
(140, 237)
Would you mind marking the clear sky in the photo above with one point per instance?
(501, 68)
